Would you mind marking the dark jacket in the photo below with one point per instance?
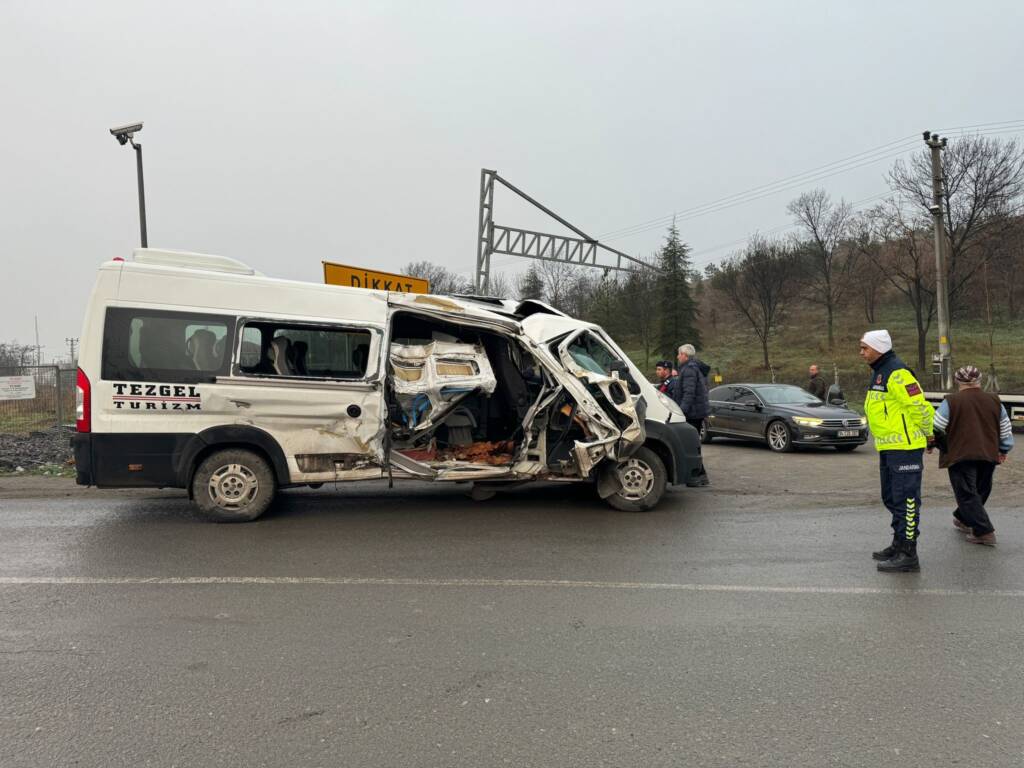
(817, 386)
(690, 389)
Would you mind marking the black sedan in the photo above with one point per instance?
(783, 416)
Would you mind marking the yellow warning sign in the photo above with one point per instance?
(357, 277)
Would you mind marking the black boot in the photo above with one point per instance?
(889, 552)
(903, 561)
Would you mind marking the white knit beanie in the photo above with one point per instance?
(880, 341)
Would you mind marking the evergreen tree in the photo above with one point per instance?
(530, 285)
(677, 309)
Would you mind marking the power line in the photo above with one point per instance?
(861, 159)
(782, 227)
(795, 185)
(887, 147)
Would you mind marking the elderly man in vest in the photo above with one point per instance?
(901, 422)
(974, 435)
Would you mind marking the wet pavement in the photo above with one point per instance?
(741, 624)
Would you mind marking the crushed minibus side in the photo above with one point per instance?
(236, 393)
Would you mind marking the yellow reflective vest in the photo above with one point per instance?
(898, 415)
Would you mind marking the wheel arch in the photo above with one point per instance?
(664, 452)
(234, 436)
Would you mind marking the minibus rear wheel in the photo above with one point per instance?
(233, 485)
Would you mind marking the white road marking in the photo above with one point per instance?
(516, 583)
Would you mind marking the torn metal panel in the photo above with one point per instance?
(429, 379)
(614, 395)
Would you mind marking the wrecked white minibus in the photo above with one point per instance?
(196, 372)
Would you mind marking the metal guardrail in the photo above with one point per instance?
(36, 397)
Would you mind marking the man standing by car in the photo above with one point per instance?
(817, 386)
(901, 422)
(974, 434)
(690, 387)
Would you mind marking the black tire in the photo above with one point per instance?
(847, 448)
(315, 486)
(705, 433)
(233, 486)
(643, 478)
(779, 438)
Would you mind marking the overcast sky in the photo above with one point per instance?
(283, 134)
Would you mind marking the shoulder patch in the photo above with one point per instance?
(913, 389)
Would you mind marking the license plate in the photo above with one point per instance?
(849, 433)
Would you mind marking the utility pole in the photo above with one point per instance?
(71, 347)
(936, 145)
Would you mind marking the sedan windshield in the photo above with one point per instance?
(785, 394)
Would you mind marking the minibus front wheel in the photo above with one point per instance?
(233, 485)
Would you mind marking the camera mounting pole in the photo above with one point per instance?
(126, 135)
(494, 238)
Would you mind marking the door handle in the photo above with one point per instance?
(241, 403)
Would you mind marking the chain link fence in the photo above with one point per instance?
(36, 397)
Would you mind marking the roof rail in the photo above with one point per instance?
(186, 260)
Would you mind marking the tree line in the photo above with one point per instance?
(836, 259)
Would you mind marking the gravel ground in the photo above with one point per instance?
(36, 449)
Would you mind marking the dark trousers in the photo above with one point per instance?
(696, 423)
(972, 483)
(900, 473)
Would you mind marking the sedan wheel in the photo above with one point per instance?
(779, 438)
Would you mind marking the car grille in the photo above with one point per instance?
(841, 423)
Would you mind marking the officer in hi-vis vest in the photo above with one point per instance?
(901, 423)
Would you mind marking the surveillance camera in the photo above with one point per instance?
(125, 132)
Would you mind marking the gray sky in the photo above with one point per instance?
(282, 134)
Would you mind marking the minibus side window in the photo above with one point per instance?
(303, 351)
(173, 347)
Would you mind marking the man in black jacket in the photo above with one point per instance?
(690, 387)
(817, 386)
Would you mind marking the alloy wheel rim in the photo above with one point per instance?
(777, 436)
(637, 479)
(233, 486)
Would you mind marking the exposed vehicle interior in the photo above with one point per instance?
(459, 394)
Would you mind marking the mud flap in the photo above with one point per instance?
(608, 481)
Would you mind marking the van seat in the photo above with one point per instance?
(280, 351)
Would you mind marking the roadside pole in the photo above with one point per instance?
(936, 145)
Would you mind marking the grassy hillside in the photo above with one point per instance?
(732, 348)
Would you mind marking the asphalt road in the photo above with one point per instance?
(738, 625)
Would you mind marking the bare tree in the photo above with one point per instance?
(442, 280)
(863, 238)
(501, 286)
(558, 278)
(903, 253)
(640, 308)
(983, 183)
(758, 283)
(13, 356)
(827, 266)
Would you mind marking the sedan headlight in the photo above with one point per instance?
(807, 421)
(863, 421)
(671, 405)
